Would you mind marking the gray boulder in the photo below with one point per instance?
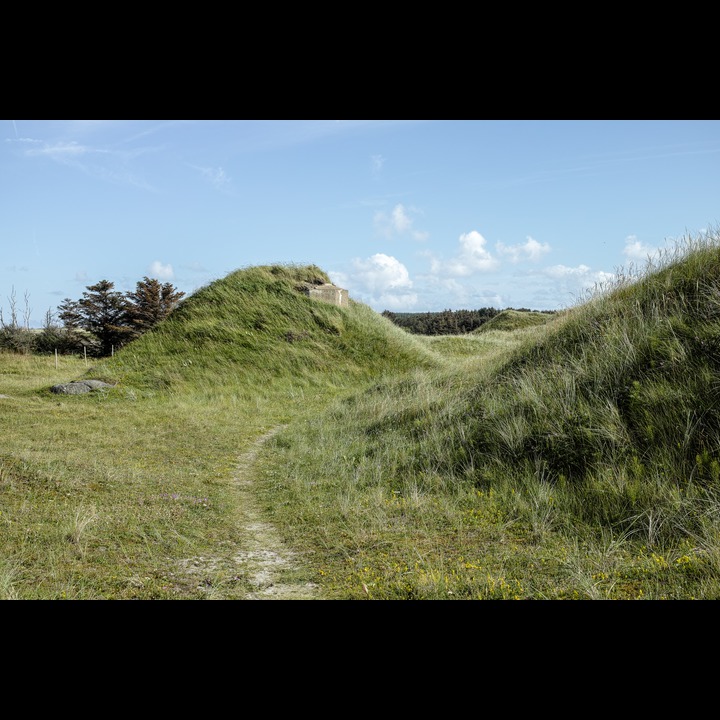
(79, 388)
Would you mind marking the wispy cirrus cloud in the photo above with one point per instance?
(97, 148)
(216, 176)
(377, 162)
(63, 151)
(262, 135)
(105, 164)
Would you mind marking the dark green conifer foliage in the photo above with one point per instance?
(115, 318)
(150, 303)
(101, 311)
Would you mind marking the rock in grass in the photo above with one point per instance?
(79, 388)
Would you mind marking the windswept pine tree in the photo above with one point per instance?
(115, 318)
(101, 311)
(151, 302)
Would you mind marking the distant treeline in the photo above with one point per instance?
(447, 322)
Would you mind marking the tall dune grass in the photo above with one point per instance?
(601, 429)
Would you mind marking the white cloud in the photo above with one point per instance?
(107, 165)
(377, 163)
(398, 222)
(474, 277)
(440, 292)
(339, 278)
(395, 301)
(59, 150)
(160, 271)
(380, 273)
(380, 281)
(471, 257)
(23, 140)
(215, 176)
(635, 250)
(531, 250)
(577, 280)
(562, 271)
(384, 283)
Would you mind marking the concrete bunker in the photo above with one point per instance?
(327, 292)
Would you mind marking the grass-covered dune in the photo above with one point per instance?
(514, 320)
(255, 329)
(583, 462)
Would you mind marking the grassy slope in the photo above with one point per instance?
(254, 331)
(514, 320)
(122, 493)
(594, 443)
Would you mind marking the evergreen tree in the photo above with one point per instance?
(150, 303)
(447, 322)
(101, 311)
(69, 312)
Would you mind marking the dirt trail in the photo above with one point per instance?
(265, 554)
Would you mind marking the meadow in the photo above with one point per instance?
(259, 443)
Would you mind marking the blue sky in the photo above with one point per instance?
(408, 215)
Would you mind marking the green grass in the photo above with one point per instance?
(116, 494)
(507, 320)
(575, 459)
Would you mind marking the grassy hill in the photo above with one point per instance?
(255, 329)
(576, 459)
(581, 463)
(134, 491)
(514, 320)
